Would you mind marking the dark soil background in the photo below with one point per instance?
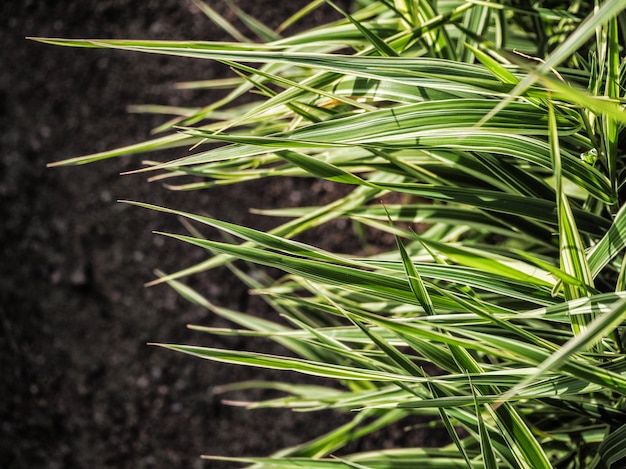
(79, 386)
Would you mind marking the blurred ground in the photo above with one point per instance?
(79, 386)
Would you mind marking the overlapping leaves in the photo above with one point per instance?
(504, 315)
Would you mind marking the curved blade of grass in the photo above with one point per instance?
(402, 361)
(375, 283)
(411, 458)
(414, 213)
(415, 280)
(417, 71)
(607, 106)
(595, 331)
(334, 351)
(356, 198)
(508, 348)
(486, 448)
(383, 285)
(452, 432)
(286, 82)
(379, 125)
(258, 237)
(407, 127)
(380, 45)
(477, 21)
(497, 69)
(601, 304)
(275, 362)
(160, 143)
(262, 327)
(611, 244)
(612, 449)
(254, 25)
(555, 271)
(610, 124)
(572, 253)
(322, 169)
(220, 21)
(542, 210)
(301, 13)
(480, 259)
(381, 90)
(284, 462)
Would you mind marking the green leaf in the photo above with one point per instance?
(381, 46)
(594, 332)
(486, 448)
(572, 253)
(544, 211)
(415, 281)
(260, 360)
(601, 15)
(267, 240)
(612, 449)
(322, 169)
(611, 244)
(253, 24)
(220, 21)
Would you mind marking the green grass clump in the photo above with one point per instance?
(500, 124)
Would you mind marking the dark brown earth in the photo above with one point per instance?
(79, 386)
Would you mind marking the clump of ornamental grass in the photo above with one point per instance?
(501, 124)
